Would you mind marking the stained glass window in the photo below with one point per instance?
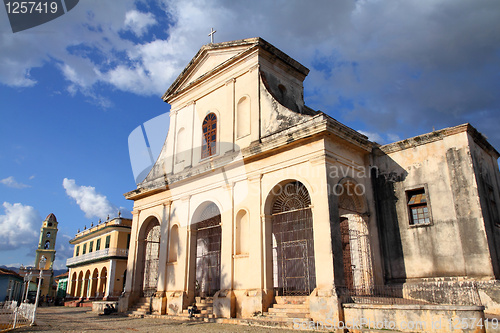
(209, 135)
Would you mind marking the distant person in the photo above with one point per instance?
(192, 310)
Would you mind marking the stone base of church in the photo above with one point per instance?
(224, 304)
(159, 303)
(324, 306)
(252, 302)
(124, 302)
(176, 301)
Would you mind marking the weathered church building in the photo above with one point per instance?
(258, 204)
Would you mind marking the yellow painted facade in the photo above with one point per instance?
(97, 269)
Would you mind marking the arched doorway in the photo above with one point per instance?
(356, 253)
(93, 288)
(151, 258)
(79, 289)
(103, 280)
(73, 285)
(294, 272)
(208, 246)
(86, 285)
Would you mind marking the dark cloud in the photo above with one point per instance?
(392, 66)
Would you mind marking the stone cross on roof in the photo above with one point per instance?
(211, 35)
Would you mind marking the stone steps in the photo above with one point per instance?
(204, 307)
(140, 308)
(291, 299)
(287, 308)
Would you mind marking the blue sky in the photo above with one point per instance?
(73, 89)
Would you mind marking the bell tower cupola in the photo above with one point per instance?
(47, 243)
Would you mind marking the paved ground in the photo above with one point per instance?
(65, 319)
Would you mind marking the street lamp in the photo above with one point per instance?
(27, 279)
(40, 266)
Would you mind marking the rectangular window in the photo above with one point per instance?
(91, 246)
(108, 239)
(98, 245)
(84, 249)
(77, 251)
(128, 241)
(417, 207)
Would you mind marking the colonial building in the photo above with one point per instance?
(11, 286)
(44, 257)
(257, 201)
(62, 285)
(97, 269)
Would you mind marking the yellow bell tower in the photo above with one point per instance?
(47, 243)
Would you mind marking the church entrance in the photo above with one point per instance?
(294, 271)
(208, 245)
(356, 254)
(346, 253)
(151, 259)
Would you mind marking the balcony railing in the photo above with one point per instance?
(114, 222)
(112, 252)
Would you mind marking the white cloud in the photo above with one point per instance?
(373, 136)
(139, 22)
(11, 182)
(19, 226)
(63, 251)
(380, 138)
(420, 63)
(92, 203)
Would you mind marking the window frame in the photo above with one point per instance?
(98, 244)
(408, 194)
(77, 251)
(207, 145)
(84, 250)
(108, 242)
(91, 246)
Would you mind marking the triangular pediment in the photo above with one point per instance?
(209, 59)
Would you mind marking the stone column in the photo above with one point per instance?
(130, 291)
(164, 241)
(160, 300)
(224, 304)
(111, 278)
(132, 274)
(323, 302)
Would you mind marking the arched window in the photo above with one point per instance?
(47, 245)
(174, 244)
(209, 135)
(243, 117)
(48, 234)
(181, 141)
(242, 232)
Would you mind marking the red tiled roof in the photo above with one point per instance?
(63, 275)
(4, 271)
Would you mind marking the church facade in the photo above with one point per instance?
(258, 200)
